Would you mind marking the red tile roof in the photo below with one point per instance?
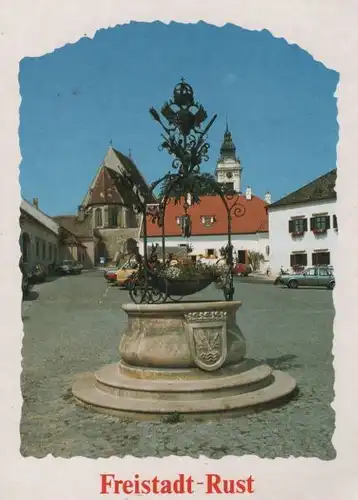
(254, 220)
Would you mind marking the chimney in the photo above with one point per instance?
(268, 197)
(81, 213)
(35, 203)
(248, 194)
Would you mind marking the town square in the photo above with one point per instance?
(73, 325)
(181, 308)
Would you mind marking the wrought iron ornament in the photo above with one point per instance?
(184, 137)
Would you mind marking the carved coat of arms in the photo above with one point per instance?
(207, 334)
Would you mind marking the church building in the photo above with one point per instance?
(106, 221)
(228, 168)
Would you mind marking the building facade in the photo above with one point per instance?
(209, 227)
(106, 219)
(303, 226)
(39, 238)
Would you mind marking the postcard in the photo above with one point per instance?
(179, 202)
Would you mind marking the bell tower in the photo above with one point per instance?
(228, 168)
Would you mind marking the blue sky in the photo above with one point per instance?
(279, 101)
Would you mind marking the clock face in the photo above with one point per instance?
(229, 175)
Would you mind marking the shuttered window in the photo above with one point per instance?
(298, 259)
(335, 225)
(297, 225)
(320, 223)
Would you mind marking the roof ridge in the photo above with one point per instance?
(291, 198)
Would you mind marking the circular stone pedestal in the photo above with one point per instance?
(185, 358)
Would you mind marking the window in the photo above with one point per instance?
(37, 245)
(178, 220)
(98, 217)
(321, 259)
(44, 250)
(113, 216)
(210, 252)
(335, 225)
(207, 220)
(26, 247)
(228, 186)
(50, 251)
(297, 226)
(298, 259)
(55, 254)
(320, 224)
(324, 271)
(310, 272)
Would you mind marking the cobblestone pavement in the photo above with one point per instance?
(73, 326)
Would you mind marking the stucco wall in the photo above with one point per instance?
(282, 244)
(39, 233)
(115, 239)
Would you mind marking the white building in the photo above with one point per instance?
(303, 226)
(209, 227)
(228, 169)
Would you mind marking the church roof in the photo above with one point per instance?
(105, 189)
(254, 220)
(320, 189)
(116, 181)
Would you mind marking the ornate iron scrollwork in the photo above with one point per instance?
(184, 137)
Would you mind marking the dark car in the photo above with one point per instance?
(37, 274)
(70, 267)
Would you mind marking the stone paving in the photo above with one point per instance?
(72, 325)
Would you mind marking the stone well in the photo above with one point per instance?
(186, 358)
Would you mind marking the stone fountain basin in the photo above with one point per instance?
(157, 335)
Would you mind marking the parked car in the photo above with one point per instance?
(70, 267)
(37, 274)
(125, 273)
(241, 269)
(110, 274)
(312, 276)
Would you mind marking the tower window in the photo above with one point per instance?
(98, 217)
(113, 216)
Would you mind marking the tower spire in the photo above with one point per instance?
(228, 149)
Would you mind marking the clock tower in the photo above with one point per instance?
(228, 168)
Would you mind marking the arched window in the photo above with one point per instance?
(98, 217)
(113, 216)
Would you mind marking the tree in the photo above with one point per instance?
(255, 259)
(202, 185)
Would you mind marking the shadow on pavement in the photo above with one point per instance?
(31, 295)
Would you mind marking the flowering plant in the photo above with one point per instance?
(320, 230)
(188, 270)
(297, 233)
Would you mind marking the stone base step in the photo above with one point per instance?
(111, 391)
